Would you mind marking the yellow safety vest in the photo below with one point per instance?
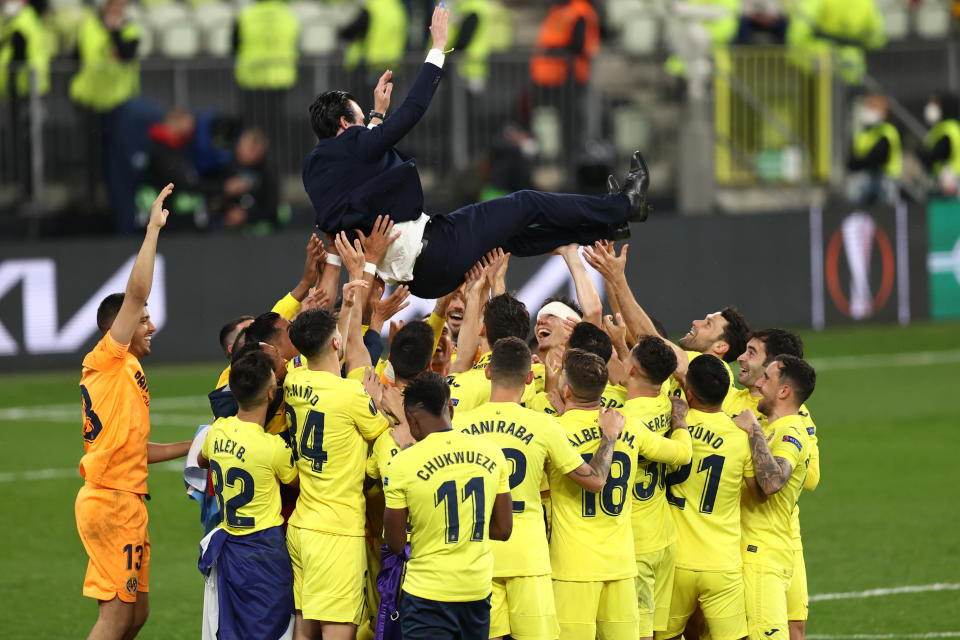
(382, 46)
(949, 129)
(104, 81)
(474, 62)
(267, 33)
(28, 25)
(868, 139)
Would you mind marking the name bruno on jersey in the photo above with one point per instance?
(706, 436)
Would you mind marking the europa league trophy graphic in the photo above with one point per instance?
(859, 230)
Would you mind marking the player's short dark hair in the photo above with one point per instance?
(326, 111)
(510, 362)
(250, 376)
(586, 373)
(108, 310)
(311, 330)
(655, 357)
(799, 374)
(708, 379)
(226, 340)
(567, 300)
(428, 391)
(411, 349)
(244, 349)
(777, 342)
(264, 327)
(592, 339)
(735, 333)
(661, 330)
(505, 316)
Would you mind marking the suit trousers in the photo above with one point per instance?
(525, 223)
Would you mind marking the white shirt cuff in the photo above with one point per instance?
(435, 56)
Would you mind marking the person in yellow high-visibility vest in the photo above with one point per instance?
(377, 37)
(876, 160)
(941, 145)
(844, 27)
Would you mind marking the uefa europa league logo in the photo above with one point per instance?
(856, 236)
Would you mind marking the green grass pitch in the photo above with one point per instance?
(886, 514)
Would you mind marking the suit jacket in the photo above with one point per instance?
(353, 178)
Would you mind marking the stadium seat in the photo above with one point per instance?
(307, 11)
(932, 20)
(213, 14)
(145, 48)
(620, 11)
(318, 38)
(162, 16)
(896, 22)
(218, 39)
(631, 129)
(180, 40)
(639, 35)
(545, 124)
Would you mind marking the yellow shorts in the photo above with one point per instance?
(720, 594)
(523, 607)
(654, 587)
(765, 589)
(798, 600)
(113, 528)
(604, 610)
(328, 574)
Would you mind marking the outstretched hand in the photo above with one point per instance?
(381, 94)
(158, 215)
(381, 237)
(604, 259)
(438, 27)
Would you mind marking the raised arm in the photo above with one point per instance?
(587, 294)
(593, 476)
(141, 276)
(355, 352)
(311, 269)
(469, 338)
(772, 472)
(675, 450)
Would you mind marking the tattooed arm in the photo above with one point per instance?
(772, 472)
(593, 476)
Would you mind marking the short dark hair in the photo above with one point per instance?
(735, 333)
(777, 342)
(226, 340)
(311, 330)
(427, 391)
(108, 310)
(264, 327)
(510, 362)
(661, 330)
(244, 349)
(656, 357)
(586, 373)
(411, 349)
(708, 379)
(250, 376)
(570, 302)
(799, 374)
(326, 111)
(505, 316)
(591, 338)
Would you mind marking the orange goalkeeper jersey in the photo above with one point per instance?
(116, 418)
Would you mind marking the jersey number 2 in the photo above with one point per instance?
(713, 466)
(236, 502)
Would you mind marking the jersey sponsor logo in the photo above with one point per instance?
(752, 548)
(771, 632)
(794, 442)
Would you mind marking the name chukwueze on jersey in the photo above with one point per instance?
(455, 457)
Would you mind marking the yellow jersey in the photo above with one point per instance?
(676, 390)
(705, 494)
(331, 418)
(767, 536)
(448, 483)
(652, 521)
(470, 389)
(529, 441)
(246, 464)
(614, 395)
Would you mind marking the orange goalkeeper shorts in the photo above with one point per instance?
(113, 527)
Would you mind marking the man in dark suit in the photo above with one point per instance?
(355, 174)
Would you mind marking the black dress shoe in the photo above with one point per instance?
(635, 188)
(612, 185)
(618, 231)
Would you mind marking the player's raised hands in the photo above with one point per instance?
(158, 215)
(557, 401)
(611, 422)
(438, 26)
(678, 413)
(315, 299)
(372, 385)
(352, 255)
(616, 328)
(381, 237)
(392, 403)
(388, 307)
(350, 292)
(394, 327)
(746, 420)
(381, 94)
(495, 270)
(604, 259)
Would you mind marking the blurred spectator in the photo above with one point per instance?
(265, 41)
(876, 160)
(169, 160)
(571, 30)
(941, 146)
(248, 196)
(704, 25)
(378, 37)
(109, 75)
(843, 27)
(23, 50)
(760, 17)
(510, 162)
(471, 40)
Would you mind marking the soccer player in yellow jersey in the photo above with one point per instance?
(591, 548)
(522, 604)
(705, 498)
(780, 454)
(654, 535)
(331, 420)
(249, 554)
(453, 489)
(503, 316)
(762, 348)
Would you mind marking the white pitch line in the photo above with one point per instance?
(884, 636)
(872, 593)
(73, 472)
(908, 359)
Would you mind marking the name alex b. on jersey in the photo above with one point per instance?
(226, 445)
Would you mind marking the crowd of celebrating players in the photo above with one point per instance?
(594, 481)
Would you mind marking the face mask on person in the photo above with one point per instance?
(870, 116)
(932, 113)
